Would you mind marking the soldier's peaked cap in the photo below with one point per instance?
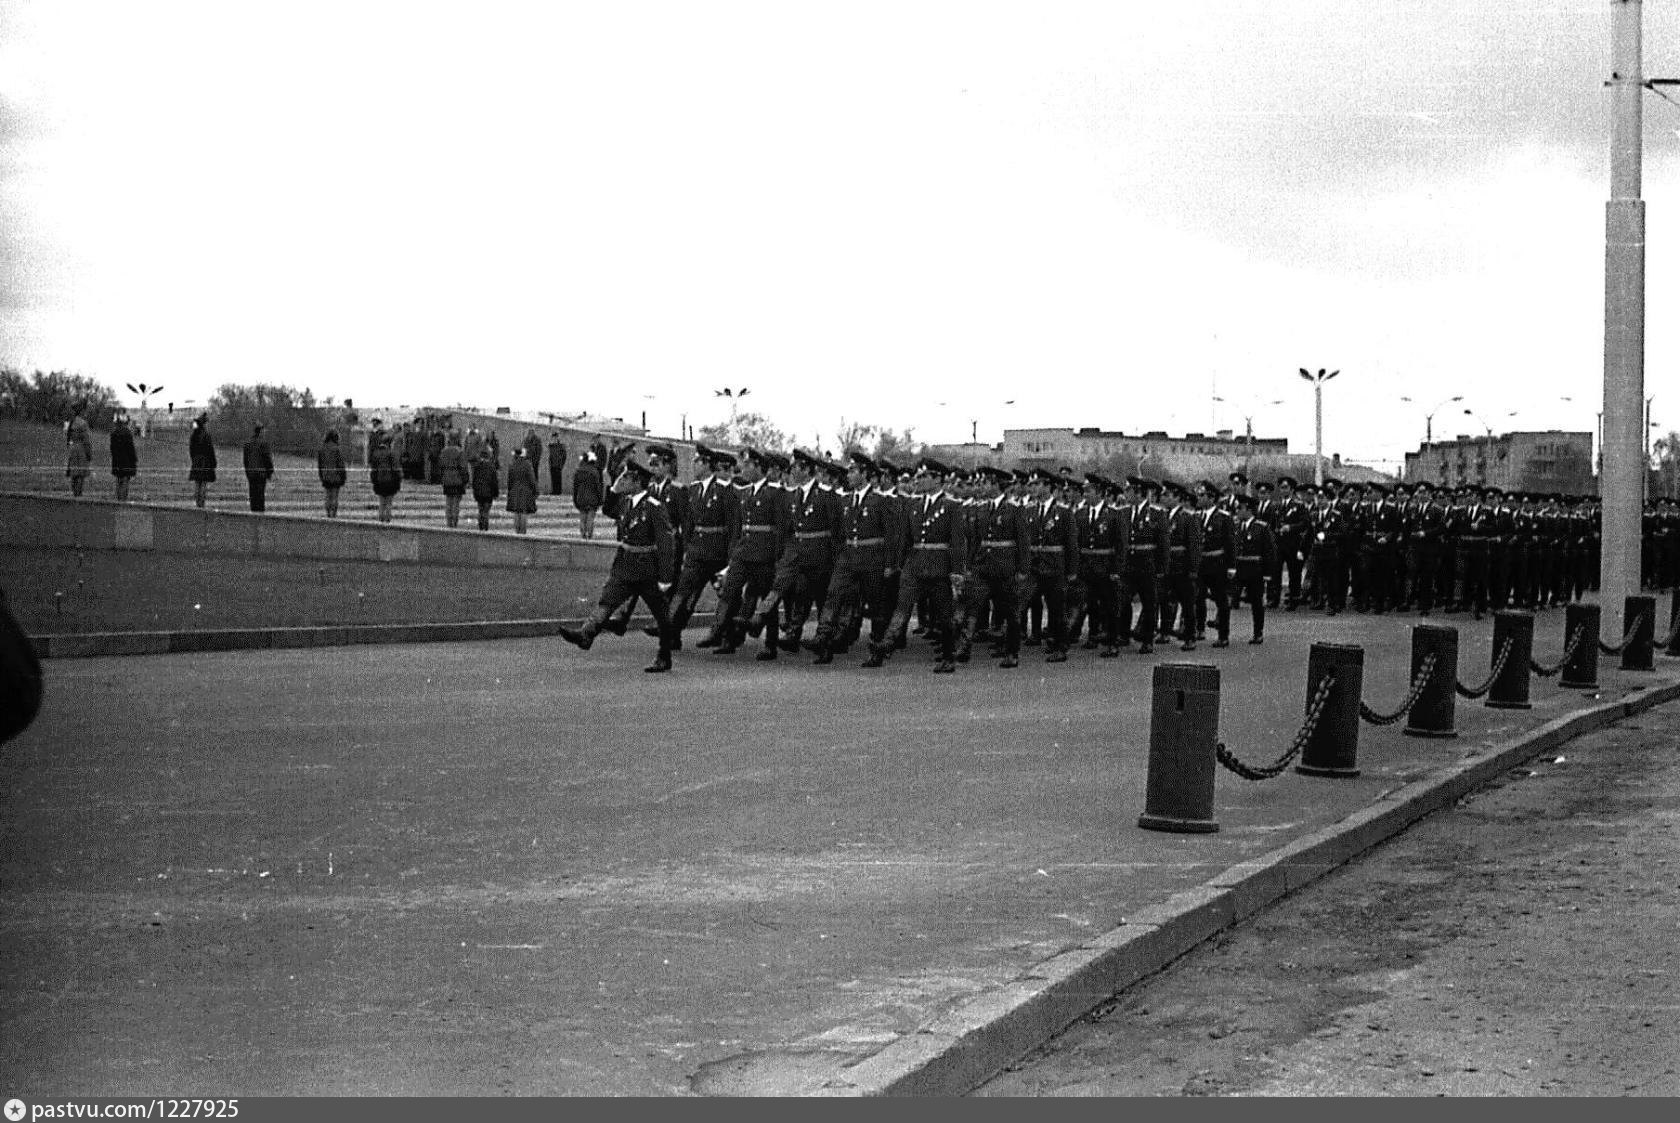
(1043, 476)
(1237, 478)
(1096, 480)
(803, 457)
(633, 467)
(760, 458)
(1142, 483)
(1263, 485)
(711, 455)
(663, 451)
(929, 466)
(862, 460)
(1208, 486)
(1290, 480)
(1248, 501)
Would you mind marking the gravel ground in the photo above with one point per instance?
(1519, 944)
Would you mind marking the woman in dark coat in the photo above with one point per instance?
(329, 462)
(454, 474)
(387, 474)
(125, 460)
(78, 449)
(587, 490)
(201, 450)
(521, 489)
(486, 485)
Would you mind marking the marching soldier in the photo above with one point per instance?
(1145, 566)
(807, 561)
(1332, 532)
(1426, 527)
(1054, 544)
(1184, 563)
(935, 548)
(758, 529)
(1256, 550)
(1295, 533)
(644, 564)
(1219, 550)
(869, 545)
(1102, 549)
(997, 562)
(662, 462)
(711, 507)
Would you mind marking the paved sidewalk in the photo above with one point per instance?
(511, 867)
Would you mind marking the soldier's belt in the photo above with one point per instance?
(1177, 549)
(636, 549)
(930, 545)
(1097, 551)
(710, 529)
(808, 535)
(762, 528)
(865, 541)
(1143, 548)
(998, 543)
(1046, 549)
(1213, 553)
(1249, 557)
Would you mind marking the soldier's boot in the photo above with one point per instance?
(1056, 654)
(768, 653)
(619, 623)
(791, 637)
(584, 637)
(1009, 661)
(824, 647)
(764, 617)
(661, 662)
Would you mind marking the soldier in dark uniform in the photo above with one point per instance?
(1102, 547)
(1426, 525)
(662, 462)
(1294, 530)
(1219, 551)
(758, 530)
(1481, 534)
(935, 546)
(1053, 542)
(807, 560)
(1255, 548)
(645, 561)
(997, 562)
(1184, 565)
(1384, 528)
(1332, 535)
(1145, 564)
(711, 506)
(869, 545)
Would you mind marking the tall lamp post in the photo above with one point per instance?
(1318, 382)
(1429, 418)
(145, 394)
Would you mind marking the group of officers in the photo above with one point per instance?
(1031, 557)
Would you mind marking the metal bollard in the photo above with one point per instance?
(1582, 669)
(1673, 647)
(1333, 748)
(1183, 731)
(1510, 689)
(1432, 714)
(1636, 653)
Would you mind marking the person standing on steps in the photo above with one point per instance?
(201, 454)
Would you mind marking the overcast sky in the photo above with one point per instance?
(903, 213)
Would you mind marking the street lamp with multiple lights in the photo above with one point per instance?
(1429, 418)
(1248, 422)
(1318, 382)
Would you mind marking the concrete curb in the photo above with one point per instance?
(91, 645)
(960, 1050)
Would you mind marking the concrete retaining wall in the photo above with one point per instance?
(96, 524)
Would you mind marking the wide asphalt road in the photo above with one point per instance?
(514, 867)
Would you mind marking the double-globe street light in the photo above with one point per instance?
(1429, 418)
(1248, 423)
(1318, 382)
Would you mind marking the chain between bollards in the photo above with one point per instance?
(1627, 637)
(1425, 670)
(1498, 666)
(1249, 772)
(1568, 654)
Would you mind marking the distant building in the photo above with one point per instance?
(1550, 461)
(1089, 445)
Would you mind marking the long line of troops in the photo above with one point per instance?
(1041, 556)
